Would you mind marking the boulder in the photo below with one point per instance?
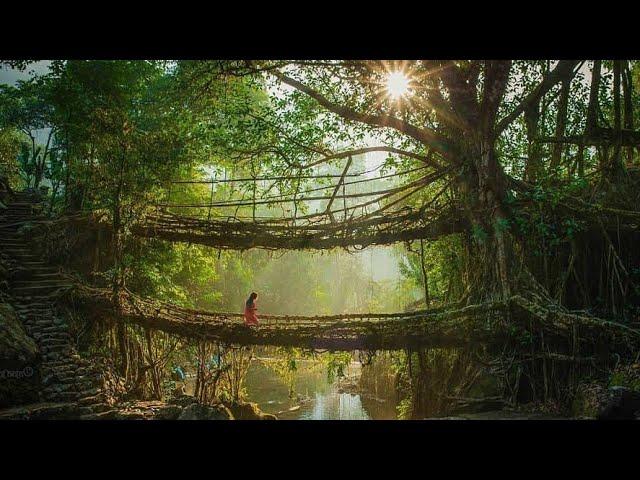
(622, 404)
(41, 411)
(249, 411)
(182, 400)
(197, 411)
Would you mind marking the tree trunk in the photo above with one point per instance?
(561, 121)
(118, 281)
(425, 279)
(592, 109)
(534, 154)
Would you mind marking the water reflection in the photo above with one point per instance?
(315, 395)
(340, 406)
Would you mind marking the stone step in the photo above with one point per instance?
(22, 252)
(93, 399)
(15, 223)
(110, 414)
(37, 321)
(88, 381)
(34, 305)
(94, 411)
(40, 283)
(55, 356)
(25, 214)
(46, 275)
(43, 279)
(89, 392)
(55, 345)
(51, 338)
(58, 388)
(53, 379)
(54, 329)
(36, 274)
(32, 313)
(50, 342)
(61, 366)
(65, 365)
(58, 335)
(31, 277)
(36, 294)
(64, 396)
(61, 349)
(78, 383)
(45, 282)
(54, 342)
(25, 290)
(13, 249)
(24, 258)
(86, 385)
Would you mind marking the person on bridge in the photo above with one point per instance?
(250, 309)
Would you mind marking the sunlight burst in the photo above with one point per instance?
(397, 84)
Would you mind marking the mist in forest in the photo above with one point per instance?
(305, 283)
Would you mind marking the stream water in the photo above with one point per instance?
(315, 396)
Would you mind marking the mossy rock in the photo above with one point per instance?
(197, 411)
(19, 359)
(248, 411)
(15, 344)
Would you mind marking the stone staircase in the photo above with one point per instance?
(34, 287)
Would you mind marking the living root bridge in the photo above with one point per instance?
(489, 324)
(366, 331)
(242, 235)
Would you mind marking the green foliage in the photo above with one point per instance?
(502, 225)
(444, 264)
(11, 144)
(626, 376)
(336, 364)
(285, 366)
(479, 234)
(404, 408)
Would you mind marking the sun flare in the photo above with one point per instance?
(397, 84)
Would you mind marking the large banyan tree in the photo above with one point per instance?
(532, 163)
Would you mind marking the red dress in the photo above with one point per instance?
(250, 317)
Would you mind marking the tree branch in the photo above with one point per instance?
(564, 69)
(359, 151)
(425, 136)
